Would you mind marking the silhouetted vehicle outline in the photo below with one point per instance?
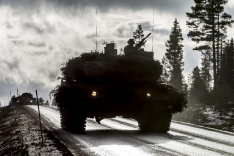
(98, 86)
(24, 99)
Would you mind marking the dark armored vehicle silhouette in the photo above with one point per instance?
(24, 99)
(100, 85)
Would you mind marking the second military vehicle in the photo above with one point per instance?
(24, 99)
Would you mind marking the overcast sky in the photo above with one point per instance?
(38, 35)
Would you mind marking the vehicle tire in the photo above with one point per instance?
(160, 120)
(63, 117)
(72, 121)
(157, 120)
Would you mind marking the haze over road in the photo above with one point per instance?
(120, 136)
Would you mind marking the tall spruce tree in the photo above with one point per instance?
(173, 57)
(209, 22)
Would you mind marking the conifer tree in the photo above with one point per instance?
(205, 69)
(198, 90)
(167, 68)
(47, 103)
(41, 101)
(230, 64)
(227, 66)
(172, 61)
(209, 22)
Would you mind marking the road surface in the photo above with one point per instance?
(121, 137)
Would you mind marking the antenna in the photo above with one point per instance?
(96, 29)
(153, 33)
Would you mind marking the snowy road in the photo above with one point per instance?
(121, 137)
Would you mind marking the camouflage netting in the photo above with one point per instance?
(93, 69)
(167, 95)
(27, 95)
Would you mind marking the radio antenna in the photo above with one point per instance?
(96, 30)
(153, 33)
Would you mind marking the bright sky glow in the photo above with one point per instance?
(37, 37)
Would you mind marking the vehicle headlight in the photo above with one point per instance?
(17, 101)
(94, 93)
(148, 94)
(31, 101)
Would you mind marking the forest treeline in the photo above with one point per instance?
(213, 82)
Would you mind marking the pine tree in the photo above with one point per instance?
(227, 65)
(198, 90)
(47, 103)
(230, 64)
(224, 94)
(167, 68)
(172, 61)
(205, 69)
(41, 101)
(209, 22)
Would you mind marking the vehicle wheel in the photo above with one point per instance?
(63, 117)
(157, 120)
(144, 122)
(160, 120)
(144, 126)
(77, 124)
(72, 121)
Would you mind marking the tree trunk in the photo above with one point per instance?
(213, 46)
(218, 61)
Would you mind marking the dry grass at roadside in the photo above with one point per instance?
(20, 135)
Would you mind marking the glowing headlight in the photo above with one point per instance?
(31, 101)
(148, 94)
(94, 93)
(17, 101)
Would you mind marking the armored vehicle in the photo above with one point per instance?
(24, 99)
(106, 85)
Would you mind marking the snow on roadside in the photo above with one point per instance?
(208, 116)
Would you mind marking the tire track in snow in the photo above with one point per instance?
(185, 142)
